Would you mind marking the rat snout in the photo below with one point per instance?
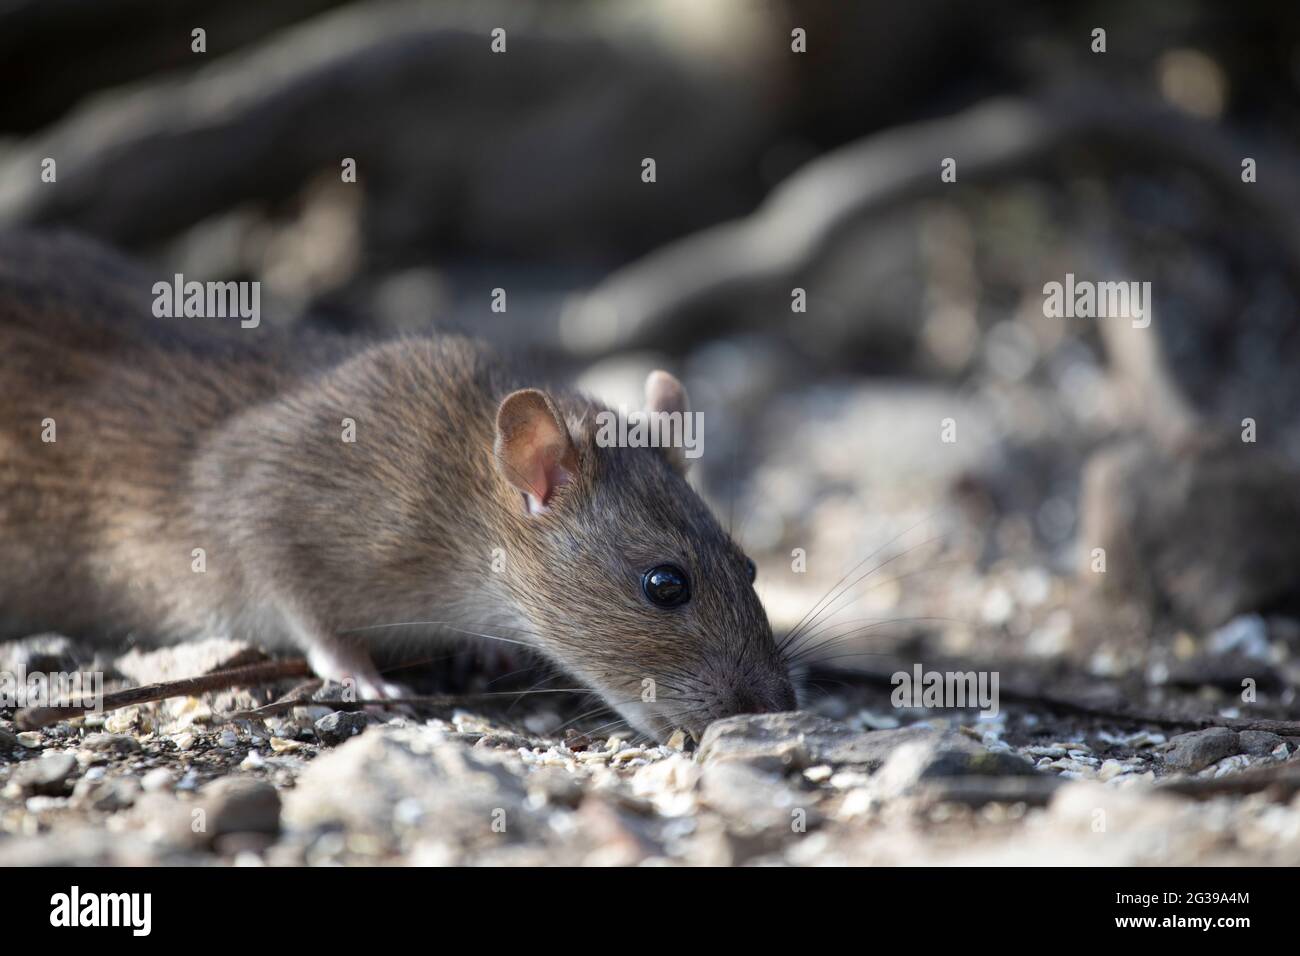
(766, 695)
(755, 700)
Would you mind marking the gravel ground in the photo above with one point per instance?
(173, 783)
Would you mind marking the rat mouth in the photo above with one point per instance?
(660, 718)
(645, 720)
(661, 726)
(660, 722)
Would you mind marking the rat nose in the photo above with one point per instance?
(765, 691)
(759, 698)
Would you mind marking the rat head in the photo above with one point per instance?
(625, 576)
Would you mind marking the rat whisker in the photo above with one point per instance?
(855, 568)
(815, 683)
(849, 656)
(601, 729)
(444, 624)
(536, 685)
(849, 588)
(807, 656)
(792, 640)
(803, 653)
(376, 627)
(808, 644)
(877, 620)
(608, 706)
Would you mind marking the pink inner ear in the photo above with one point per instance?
(536, 507)
(548, 475)
(545, 473)
(533, 447)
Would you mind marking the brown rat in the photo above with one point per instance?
(200, 482)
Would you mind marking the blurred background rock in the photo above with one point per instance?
(776, 170)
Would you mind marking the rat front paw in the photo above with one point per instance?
(358, 679)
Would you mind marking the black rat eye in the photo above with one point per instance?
(666, 586)
(752, 569)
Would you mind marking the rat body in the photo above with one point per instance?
(171, 479)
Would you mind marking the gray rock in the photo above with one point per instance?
(239, 805)
(49, 776)
(82, 845)
(168, 822)
(553, 786)
(159, 778)
(978, 790)
(112, 743)
(753, 800)
(469, 738)
(797, 740)
(8, 743)
(397, 786)
(1200, 748)
(232, 844)
(614, 836)
(952, 768)
(333, 729)
(1259, 743)
(108, 795)
(507, 741)
(947, 760)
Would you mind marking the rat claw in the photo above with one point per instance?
(359, 678)
(375, 688)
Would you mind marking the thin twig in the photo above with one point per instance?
(1281, 782)
(1283, 728)
(286, 704)
(34, 718)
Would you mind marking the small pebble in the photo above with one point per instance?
(1052, 752)
(1111, 769)
(157, 780)
(49, 776)
(846, 779)
(1227, 765)
(253, 761)
(111, 743)
(856, 802)
(333, 729)
(37, 804)
(878, 721)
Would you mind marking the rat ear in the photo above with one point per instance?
(665, 394)
(533, 448)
